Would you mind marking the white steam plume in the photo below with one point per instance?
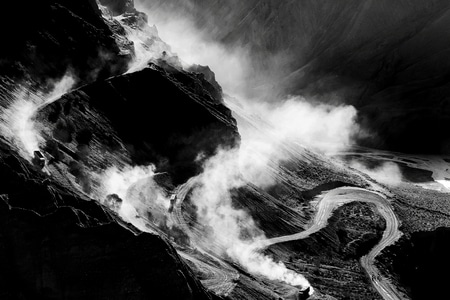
(191, 45)
(17, 121)
(233, 230)
(322, 127)
(138, 191)
(388, 173)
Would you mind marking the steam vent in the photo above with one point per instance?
(224, 150)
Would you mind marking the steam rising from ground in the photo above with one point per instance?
(322, 127)
(388, 173)
(266, 127)
(233, 230)
(138, 191)
(17, 121)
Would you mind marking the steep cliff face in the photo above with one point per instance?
(54, 37)
(118, 7)
(386, 58)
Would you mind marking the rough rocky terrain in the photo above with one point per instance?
(57, 242)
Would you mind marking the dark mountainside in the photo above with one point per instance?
(145, 124)
(387, 58)
(118, 7)
(55, 37)
(419, 262)
(56, 243)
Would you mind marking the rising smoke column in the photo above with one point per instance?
(17, 123)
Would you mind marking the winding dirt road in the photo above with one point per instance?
(217, 275)
(325, 207)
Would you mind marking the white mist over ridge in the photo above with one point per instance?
(18, 125)
(192, 47)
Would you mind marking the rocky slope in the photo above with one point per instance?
(57, 245)
(54, 37)
(418, 261)
(118, 7)
(147, 117)
(56, 242)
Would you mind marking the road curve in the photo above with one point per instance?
(218, 276)
(325, 207)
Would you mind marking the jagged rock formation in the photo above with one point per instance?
(53, 37)
(208, 78)
(118, 7)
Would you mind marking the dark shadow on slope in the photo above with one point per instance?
(420, 263)
(152, 117)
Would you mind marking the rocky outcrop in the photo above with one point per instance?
(169, 120)
(208, 79)
(118, 7)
